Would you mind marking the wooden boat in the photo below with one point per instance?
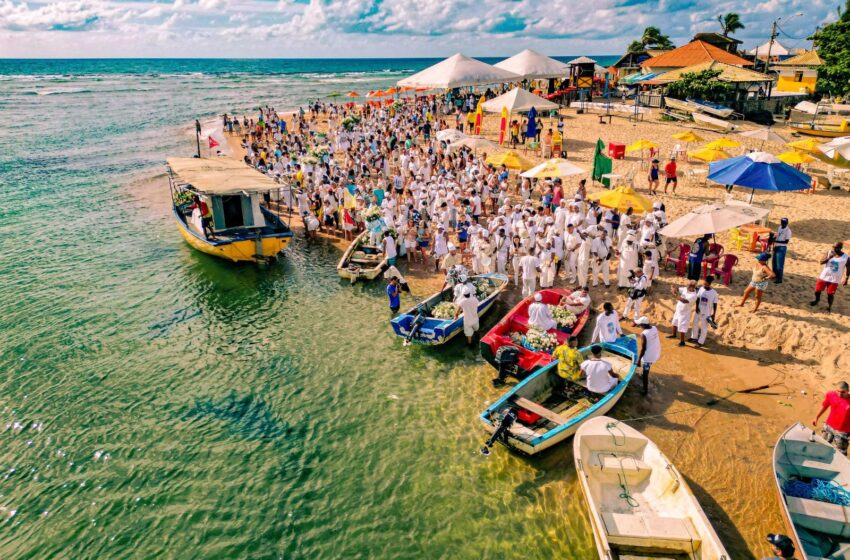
(679, 105)
(417, 325)
(713, 122)
(820, 529)
(517, 321)
(822, 130)
(546, 416)
(361, 261)
(242, 227)
(715, 109)
(640, 505)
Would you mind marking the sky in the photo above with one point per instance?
(379, 28)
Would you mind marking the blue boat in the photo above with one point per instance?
(712, 108)
(417, 325)
(542, 415)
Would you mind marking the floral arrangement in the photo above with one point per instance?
(536, 340)
(482, 289)
(372, 213)
(183, 197)
(348, 123)
(318, 152)
(444, 310)
(564, 317)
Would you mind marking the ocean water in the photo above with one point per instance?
(159, 403)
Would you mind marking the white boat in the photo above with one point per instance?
(821, 530)
(640, 505)
(713, 122)
(679, 105)
(712, 108)
(361, 261)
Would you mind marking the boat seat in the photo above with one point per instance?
(642, 530)
(520, 321)
(540, 410)
(371, 262)
(808, 449)
(831, 519)
(633, 468)
(807, 468)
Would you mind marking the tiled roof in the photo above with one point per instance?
(728, 73)
(695, 52)
(809, 58)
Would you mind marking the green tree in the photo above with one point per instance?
(653, 38)
(635, 47)
(730, 23)
(701, 85)
(833, 45)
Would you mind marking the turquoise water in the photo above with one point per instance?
(156, 402)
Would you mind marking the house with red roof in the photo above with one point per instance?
(695, 52)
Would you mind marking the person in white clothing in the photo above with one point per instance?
(607, 325)
(706, 311)
(637, 293)
(441, 246)
(650, 349)
(628, 262)
(834, 267)
(583, 257)
(685, 298)
(539, 315)
(577, 301)
(572, 242)
(530, 265)
(600, 250)
(599, 373)
(650, 265)
(502, 247)
(468, 306)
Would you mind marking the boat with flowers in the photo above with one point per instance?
(432, 322)
(361, 261)
(513, 331)
(545, 409)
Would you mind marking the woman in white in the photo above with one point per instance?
(483, 253)
(547, 266)
(628, 262)
(515, 254)
(502, 247)
(441, 247)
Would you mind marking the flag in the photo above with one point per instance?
(602, 164)
(213, 143)
(503, 125)
(349, 201)
(532, 123)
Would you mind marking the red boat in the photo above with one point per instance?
(516, 320)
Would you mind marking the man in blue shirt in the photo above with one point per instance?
(394, 294)
(698, 250)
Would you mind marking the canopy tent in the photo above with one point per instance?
(776, 50)
(518, 100)
(531, 65)
(713, 218)
(555, 167)
(759, 170)
(458, 71)
(220, 176)
(622, 198)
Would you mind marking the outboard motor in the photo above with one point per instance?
(507, 421)
(507, 357)
(415, 325)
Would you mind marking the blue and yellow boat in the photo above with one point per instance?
(238, 226)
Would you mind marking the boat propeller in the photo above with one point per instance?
(504, 425)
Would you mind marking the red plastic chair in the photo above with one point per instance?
(680, 260)
(725, 271)
(762, 244)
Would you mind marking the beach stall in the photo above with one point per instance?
(221, 207)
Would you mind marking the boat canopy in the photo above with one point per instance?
(220, 176)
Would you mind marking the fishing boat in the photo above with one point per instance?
(361, 261)
(240, 227)
(715, 109)
(640, 505)
(515, 322)
(420, 326)
(713, 122)
(822, 130)
(546, 415)
(812, 479)
(679, 105)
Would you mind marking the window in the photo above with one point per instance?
(798, 76)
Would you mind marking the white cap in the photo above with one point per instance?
(467, 292)
(656, 205)
(452, 247)
(642, 320)
(538, 297)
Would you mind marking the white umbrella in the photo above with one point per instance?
(555, 167)
(518, 100)
(837, 147)
(475, 143)
(450, 135)
(458, 71)
(713, 218)
(532, 65)
(763, 134)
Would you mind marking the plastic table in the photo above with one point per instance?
(754, 231)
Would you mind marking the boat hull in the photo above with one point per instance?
(713, 122)
(242, 250)
(354, 273)
(819, 131)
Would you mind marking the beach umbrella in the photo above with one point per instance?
(837, 147)
(622, 198)
(759, 170)
(708, 154)
(376, 93)
(763, 134)
(532, 123)
(713, 218)
(723, 143)
(555, 167)
(689, 136)
(450, 135)
(795, 158)
(392, 91)
(475, 143)
(458, 71)
(641, 145)
(420, 89)
(808, 145)
(352, 94)
(509, 159)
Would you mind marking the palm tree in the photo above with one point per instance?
(730, 23)
(652, 37)
(635, 47)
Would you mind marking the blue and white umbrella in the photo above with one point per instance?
(759, 170)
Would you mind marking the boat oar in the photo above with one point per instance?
(507, 421)
(714, 401)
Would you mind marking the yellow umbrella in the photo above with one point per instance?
(622, 198)
(641, 145)
(722, 143)
(708, 154)
(689, 136)
(807, 145)
(510, 159)
(795, 157)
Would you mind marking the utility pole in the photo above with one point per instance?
(198, 135)
(773, 35)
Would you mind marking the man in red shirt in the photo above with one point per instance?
(836, 430)
(670, 172)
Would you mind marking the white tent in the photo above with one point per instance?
(458, 71)
(776, 50)
(532, 65)
(518, 100)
